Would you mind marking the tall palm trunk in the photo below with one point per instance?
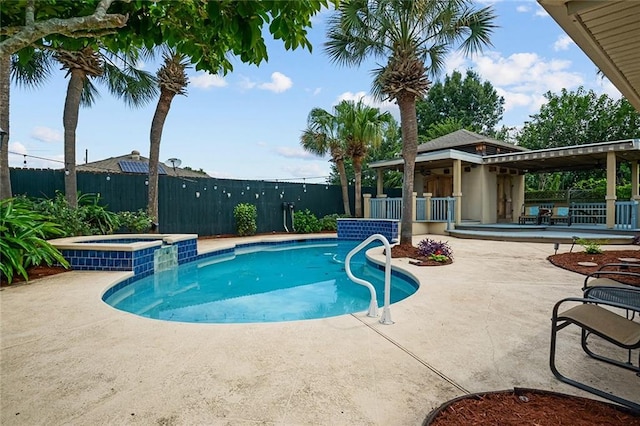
(409, 126)
(157, 125)
(70, 122)
(5, 85)
(357, 170)
(342, 172)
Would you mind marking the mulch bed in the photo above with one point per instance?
(570, 262)
(531, 408)
(417, 259)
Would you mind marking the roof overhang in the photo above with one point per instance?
(576, 157)
(609, 33)
(433, 160)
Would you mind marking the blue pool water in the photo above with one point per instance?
(283, 282)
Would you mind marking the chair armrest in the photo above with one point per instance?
(600, 274)
(598, 302)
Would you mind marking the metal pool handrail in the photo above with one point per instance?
(373, 305)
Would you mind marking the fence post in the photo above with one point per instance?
(367, 205)
(427, 207)
(414, 196)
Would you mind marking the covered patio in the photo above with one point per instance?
(464, 177)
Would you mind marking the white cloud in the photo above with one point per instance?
(540, 12)
(608, 88)
(294, 152)
(46, 134)
(17, 158)
(245, 83)
(563, 43)
(523, 8)
(205, 80)
(278, 84)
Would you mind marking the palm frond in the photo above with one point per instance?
(35, 71)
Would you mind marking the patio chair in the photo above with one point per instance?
(594, 317)
(530, 214)
(560, 215)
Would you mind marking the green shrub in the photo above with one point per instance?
(306, 222)
(329, 223)
(23, 234)
(89, 218)
(246, 215)
(590, 247)
(136, 222)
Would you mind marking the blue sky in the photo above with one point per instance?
(247, 124)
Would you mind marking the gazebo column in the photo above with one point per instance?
(635, 187)
(611, 189)
(457, 190)
(379, 183)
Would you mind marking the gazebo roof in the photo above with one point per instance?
(465, 138)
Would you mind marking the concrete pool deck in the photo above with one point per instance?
(479, 324)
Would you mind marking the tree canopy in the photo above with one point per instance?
(205, 31)
(577, 118)
(474, 104)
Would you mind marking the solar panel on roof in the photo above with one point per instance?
(138, 167)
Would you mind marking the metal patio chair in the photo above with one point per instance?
(594, 317)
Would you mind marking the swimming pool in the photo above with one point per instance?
(261, 283)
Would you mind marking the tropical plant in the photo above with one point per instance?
(414, 37)
(23, 234)
(305, 222)
(322, 136)
(135, 86)
(89, 218)
(172, 79)
(363, 127)
(435, 250)
(245, 215)
(589, 246)
(137, 222)
(329, 223)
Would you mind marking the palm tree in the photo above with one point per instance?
(172, 80)
(321, 137)
(414, 38)
(364, 127)
(32, 73)
(135, 87)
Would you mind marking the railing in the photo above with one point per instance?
(391, 208)
(386, 208)
(589, 213)
(373, 304)
(626, 214)
(442, 209)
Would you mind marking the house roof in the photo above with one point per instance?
(134, 163)
(465, 138)
(609, 33)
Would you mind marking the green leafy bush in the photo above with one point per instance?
(23, 234)
(136, 222)
(89, 218)
(329, 223)
(590, 247)
(306, 222)
(246, 215)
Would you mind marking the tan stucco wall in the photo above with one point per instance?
(518, 196)
(489, 185)
(472, 194)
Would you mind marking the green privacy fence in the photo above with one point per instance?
(202, 206)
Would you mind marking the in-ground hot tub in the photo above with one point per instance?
(140, 253)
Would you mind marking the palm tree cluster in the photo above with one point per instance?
(349, 132)
(414, 38)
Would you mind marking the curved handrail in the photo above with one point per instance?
(373, 305)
